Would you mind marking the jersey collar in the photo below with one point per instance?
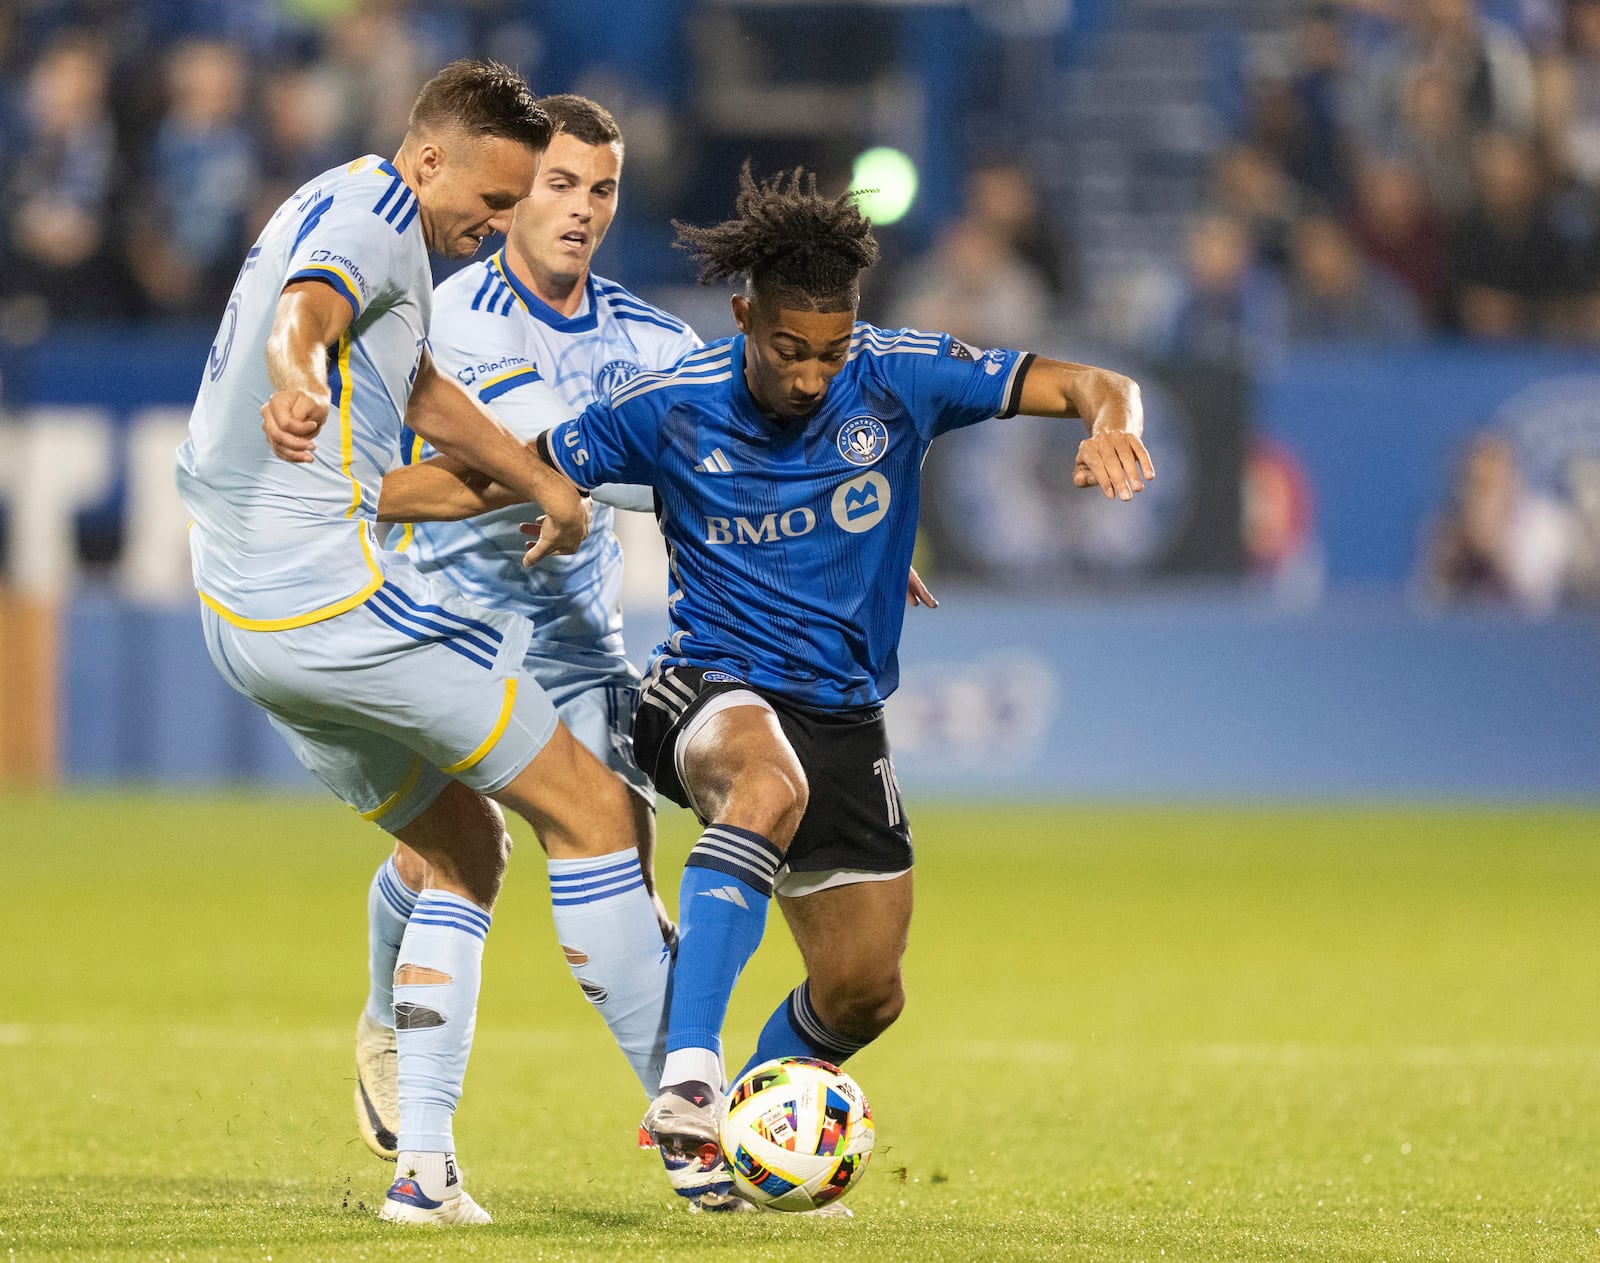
(582, 321)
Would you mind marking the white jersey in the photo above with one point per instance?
(536, 368)
(279, 545)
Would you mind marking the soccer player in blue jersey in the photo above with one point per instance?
(786, 466)
(534, 333)
(410, 703)
(786, 462)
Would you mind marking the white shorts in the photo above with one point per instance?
(389, 701)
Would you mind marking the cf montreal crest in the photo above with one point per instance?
(862, 440)
(612, 375)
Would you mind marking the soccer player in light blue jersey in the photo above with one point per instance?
(410, 703)
(534, 333)
(786, 465)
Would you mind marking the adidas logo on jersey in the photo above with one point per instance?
(716, 463)
(728, 894)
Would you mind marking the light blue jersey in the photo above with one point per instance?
(790, 544)
(536, 368)
(279, 545)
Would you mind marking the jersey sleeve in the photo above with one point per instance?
(349, 238)
(607, 443)
(947, 384)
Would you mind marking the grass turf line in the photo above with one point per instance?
(1133, 1034)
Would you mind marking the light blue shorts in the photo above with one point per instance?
(386, 703)
(596, 703)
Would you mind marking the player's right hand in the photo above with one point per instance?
(557, 533)
(291, 420)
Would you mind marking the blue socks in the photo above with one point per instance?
(795, 1030)
(435, 1013)
(722, 914)
(606, 924)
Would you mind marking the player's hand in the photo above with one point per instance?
(553, 536)
(917, 592)
(291, 420)
(1115, 461)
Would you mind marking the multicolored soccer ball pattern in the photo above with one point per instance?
(797, 1132)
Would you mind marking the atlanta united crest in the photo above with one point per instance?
(863, 439)
(614, 374)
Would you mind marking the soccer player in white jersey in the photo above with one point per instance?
(534, 333)
(410, 703)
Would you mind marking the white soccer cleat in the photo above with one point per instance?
(377, 1096)
(682, 1121)
(408, 1204)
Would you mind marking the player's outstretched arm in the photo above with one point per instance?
(439, 489)
(1113, 457)
(310, 317)
(459, 427)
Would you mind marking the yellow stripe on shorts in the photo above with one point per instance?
(478, 755)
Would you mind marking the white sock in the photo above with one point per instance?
(606, 923)
(693, 1065)
(389, 905)
(434, 1019)
(436, 1174)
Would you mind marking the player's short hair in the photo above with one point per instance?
(582, 119)
(798, 249)
(481, 98)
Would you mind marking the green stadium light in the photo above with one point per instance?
(887, 180)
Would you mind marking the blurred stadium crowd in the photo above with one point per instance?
(1195, 181)
(1397, 167)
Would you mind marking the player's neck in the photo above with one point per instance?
(561, 293)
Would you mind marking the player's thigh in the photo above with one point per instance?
(577, 806)
(600, 716)
(852, 938)
(715, 746)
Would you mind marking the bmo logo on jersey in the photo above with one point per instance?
(769, 530)
(861, 503)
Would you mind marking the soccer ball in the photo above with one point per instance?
(797, 1133)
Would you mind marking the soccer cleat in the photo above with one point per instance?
(377, 1087)
(682, 1121)
(408, 1204)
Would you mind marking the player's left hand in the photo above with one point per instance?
(1115, 461)
(917, 592)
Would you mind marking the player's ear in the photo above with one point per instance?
(741, 312)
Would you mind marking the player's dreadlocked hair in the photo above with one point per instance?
(799, 250)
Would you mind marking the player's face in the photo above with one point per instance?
(467, 187)
(558, 227)
(790, 357)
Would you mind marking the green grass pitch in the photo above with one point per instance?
(1142, 1034)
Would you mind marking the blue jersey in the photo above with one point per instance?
(789, 545)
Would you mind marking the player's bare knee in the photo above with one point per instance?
(411, 867)
(769, 800)
(863, 1008)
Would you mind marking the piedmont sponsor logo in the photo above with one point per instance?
(861, 503)
(490, 368)
(341, 261)
(768, 530)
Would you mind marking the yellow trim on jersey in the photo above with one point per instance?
(477, 755)
(412, 776)
(315, 616)
(410, 528)
(347, 442)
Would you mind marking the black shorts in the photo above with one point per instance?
(854, 818)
